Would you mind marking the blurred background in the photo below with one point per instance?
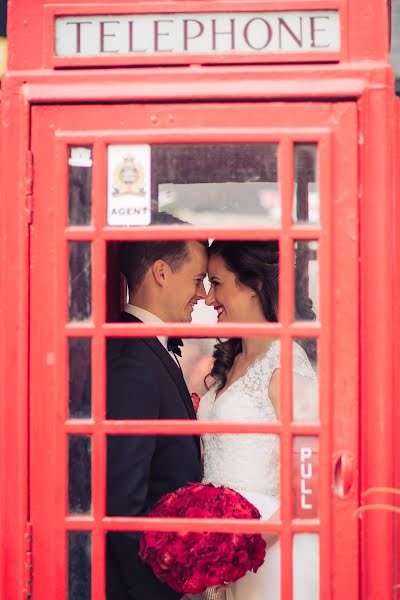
(3, 43)
(395, 52)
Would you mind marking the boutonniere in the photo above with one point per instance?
(195, 400)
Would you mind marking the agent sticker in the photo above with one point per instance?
(129, 185)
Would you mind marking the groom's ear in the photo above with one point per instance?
(159, 271)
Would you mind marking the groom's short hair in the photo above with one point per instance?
(137, 257)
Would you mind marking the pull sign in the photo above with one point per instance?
(305, 476)
(128, 187)
(307, 31)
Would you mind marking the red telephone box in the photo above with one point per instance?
(305, 92)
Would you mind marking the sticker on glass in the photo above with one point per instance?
(129, 190)
(80, 157)
(166, 194)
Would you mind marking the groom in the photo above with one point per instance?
(144, 381)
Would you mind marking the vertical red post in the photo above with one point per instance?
(376, 406)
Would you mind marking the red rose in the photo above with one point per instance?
(190, 562)
(165, 560)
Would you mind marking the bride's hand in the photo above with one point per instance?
(221, 588)
(270, 538)
(215, 593)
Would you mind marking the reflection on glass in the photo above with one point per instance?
(305, 476)
(305, 380)
(79, 385)
(80, 185)
(79, 565)
(79, 474)
(305, 566)
(306, 283)
(271, 570)
(306, 193)
(80, 278)
(196, 362)
(116, 291)
(204, 183)
(132, 260)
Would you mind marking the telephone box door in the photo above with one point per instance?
(235, 171)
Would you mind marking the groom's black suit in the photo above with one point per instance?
(143, 382)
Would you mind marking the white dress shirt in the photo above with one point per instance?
(148, 317)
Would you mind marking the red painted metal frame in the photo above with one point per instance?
(376, 297)
(396, 328)
(14, 350)
(17, 96)
(323, 120)
(363, 75)
(364, 26)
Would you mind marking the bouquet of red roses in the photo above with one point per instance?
(190, 562)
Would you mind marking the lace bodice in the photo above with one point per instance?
(247, 462)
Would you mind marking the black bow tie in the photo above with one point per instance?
(173, 344)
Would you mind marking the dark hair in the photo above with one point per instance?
(255, 265)
(137, 257)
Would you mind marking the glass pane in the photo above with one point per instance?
(188, 295)
(306, 193)
(116, 292)
(305, 380)
(305, 476)
(200, 184)
(80, 185)
(269, 573)
(306, 283)
(305, 566)
(217, 184)
(79, 474)
(197, 183)
(79, 565)
(79, 400)
(80, 279)
(196, 362)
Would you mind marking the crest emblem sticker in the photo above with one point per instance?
(129, 189)
(80, 157)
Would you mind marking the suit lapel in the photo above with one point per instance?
(174, 371)
(171, 366)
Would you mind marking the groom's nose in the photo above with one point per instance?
(210, 297)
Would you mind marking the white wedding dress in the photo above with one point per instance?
(249, 463)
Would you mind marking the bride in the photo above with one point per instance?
(244, 386)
